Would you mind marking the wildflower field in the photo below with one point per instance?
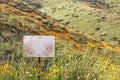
(87, 39)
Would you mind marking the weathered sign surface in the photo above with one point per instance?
(38, 46)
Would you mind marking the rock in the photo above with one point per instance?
(38, 19)
(76, 15)
(114, 39)
(43, 15)
(34, 3)
(45, 22)
(68, 22)
(102, 19)
(118, 42)
(97, 29)
(13, 30)
(27, 10)
(73, 15)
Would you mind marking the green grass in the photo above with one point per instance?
(67, 64)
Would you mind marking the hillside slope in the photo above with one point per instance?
(46, 25)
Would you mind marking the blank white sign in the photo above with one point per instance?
(38, 46)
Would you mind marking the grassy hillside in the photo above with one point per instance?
(69, 63)
(103, 24)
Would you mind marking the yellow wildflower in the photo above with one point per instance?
(55, 71)
(78, 78)
(94, 79)
(27, 72)
(34, 69)
(24, 63)
(49, 74)
(78, 45)
(54, 66)
(88, 75)
(78, 67)
(111, 78)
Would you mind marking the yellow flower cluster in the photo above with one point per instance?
(91, 44)
(4, 68)
(53, 70)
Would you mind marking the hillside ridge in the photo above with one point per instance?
(42, 24)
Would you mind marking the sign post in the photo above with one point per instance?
(38, 46)
(39, 61)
